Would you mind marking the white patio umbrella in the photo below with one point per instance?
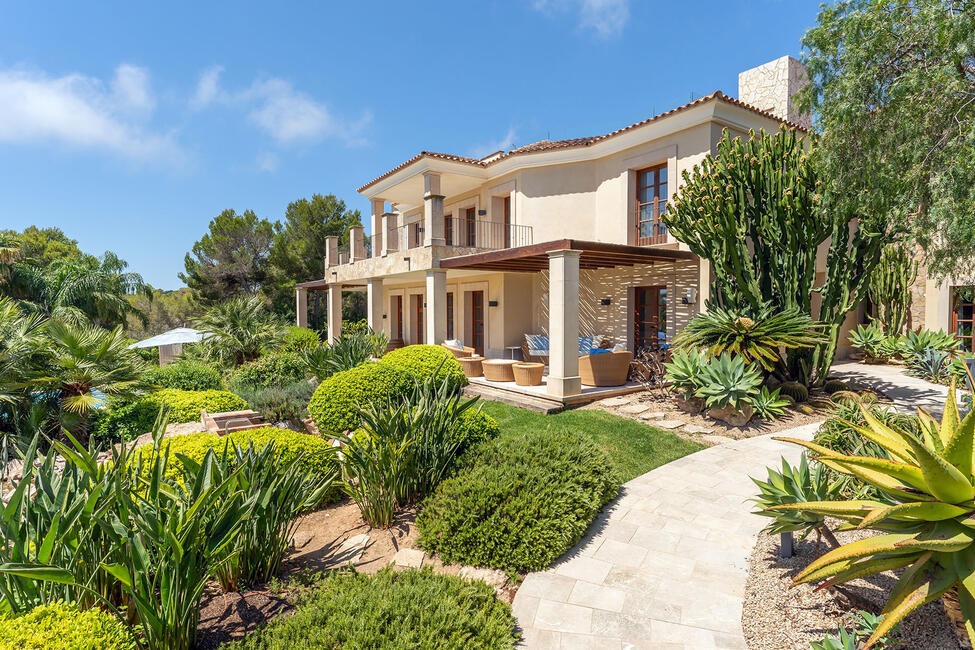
(170, 343)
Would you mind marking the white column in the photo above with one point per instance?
(390, 223)
(334, 312)
(432, 211)
(301, 307)
(357, 244)
(436, 307)
(378, 227)
(563, 323)
(374, 304)
(331, 252)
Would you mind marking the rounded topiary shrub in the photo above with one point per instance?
(335, 406)
(475, 426)
(185, 375)
(61, 626)
(422, 361)
(392, 609)
(312, 452)
(517, 504)
(130, 420)
(297, 339)
(279, 369)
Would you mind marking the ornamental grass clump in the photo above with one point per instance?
(926, 512)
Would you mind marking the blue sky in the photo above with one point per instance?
(131, 125)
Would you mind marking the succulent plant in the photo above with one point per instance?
(926, 515)
(790, 486)
(834, 386)
(729, 380)
(795, 390)
(769, 404)
(685, 369)
(930, 363)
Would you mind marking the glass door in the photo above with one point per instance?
(477, 321)
(650, 318)
(963, 316)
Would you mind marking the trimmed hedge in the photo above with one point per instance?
(474, 426)
(278, 369)
(421, 361)
(297, 339)
(518, 503)
(392, 610)
(335, 406)
(128, 421)
(310, 451)
(185, 375)
(61, 626)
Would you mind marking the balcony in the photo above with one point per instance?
(650, 229)
(458, 232)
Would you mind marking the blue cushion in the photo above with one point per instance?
(597, 351)
(537, 342)
(585, 344)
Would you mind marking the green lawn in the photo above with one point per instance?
(635, 448)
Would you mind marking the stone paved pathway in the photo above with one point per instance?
(907, 392)
(664, 566)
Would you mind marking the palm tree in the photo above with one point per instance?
(79, 290)
(240, 329)
(83, 361)
(9, 252)
(20, 343)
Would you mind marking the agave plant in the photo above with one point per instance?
(930, 363)
(917, 342)
(769, 404)
(758, 338)
(796, 485)
(871, 339)
(685, 370)
(927, 515)
(728, 380)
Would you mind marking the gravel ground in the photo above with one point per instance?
(775, 617)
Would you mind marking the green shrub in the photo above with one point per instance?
(422, 361)
(335, 406)
(392, 610)
(518, 503)
(280, 403)
(795, 390)
(311, 452)
(279, 369)
(474, 426)
(130, 420)
(185, 375)
(61, 626)
(297, 339)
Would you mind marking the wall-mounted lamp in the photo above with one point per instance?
(481, 213)
(690, 296)
(606, 301)
(492, 303)
(384, 316)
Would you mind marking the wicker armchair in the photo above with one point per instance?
(459, 352)
(605, 369)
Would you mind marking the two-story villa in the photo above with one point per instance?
(562, 238)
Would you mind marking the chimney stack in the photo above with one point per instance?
(773, 86)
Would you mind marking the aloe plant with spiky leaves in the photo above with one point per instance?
(928, 523)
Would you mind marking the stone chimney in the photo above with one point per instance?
(773, 86)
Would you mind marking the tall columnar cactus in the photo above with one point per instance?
(758, 212)
(890, 287)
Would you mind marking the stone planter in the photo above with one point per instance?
(730, 415)
(690, 404)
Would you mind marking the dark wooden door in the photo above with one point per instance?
(398, 310)
(450, 315)
(471, 225)
(650, 317)
(507, 222)
(477, 321)
(419, 319)
(963, 316)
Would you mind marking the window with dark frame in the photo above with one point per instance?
(448, 230)
(963, 316)
(507, 222)
(471, 223)
(450, 315)
(651, 205)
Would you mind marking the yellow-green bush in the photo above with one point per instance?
(61, 626)
(185, 375)
(336, 404)
(422, 361)
(131, 420)
(291, 446)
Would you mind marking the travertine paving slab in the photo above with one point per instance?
(664, 566)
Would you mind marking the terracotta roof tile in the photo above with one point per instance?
(549, 145)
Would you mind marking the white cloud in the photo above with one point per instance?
(606, 18)
(268, 162)
(283, 112)
(502, 144)
(83, 112)
(207, 88)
